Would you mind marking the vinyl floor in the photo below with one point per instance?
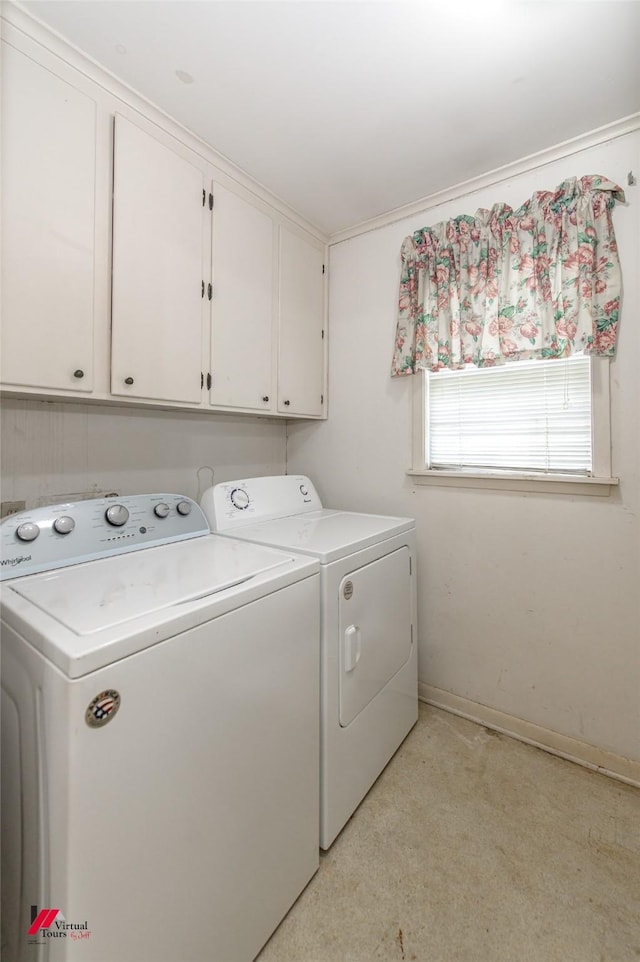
(474, 847)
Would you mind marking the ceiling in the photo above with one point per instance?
(349, 109)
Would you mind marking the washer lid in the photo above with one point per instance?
(91, 597)
(91, 614)
(327, 535)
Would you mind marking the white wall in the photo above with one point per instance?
(528, 603)
(49, 450)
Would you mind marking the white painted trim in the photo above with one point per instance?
(507, 481)
(601, 416)
(418, 422)
(18, 18)
(593, 138)
(589, 756)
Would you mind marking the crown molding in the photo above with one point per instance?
(612, 131)
(14, 15)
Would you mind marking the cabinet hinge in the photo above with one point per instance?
(209, 381)
(204, 196)
(409, 565)
(210, 201)
(323, 334)
(322, 399)
(201, 380)
(202, 289)
(323, 268)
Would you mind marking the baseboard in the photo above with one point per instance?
(597, 759)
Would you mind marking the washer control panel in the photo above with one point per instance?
(66, 534)
(235, 503)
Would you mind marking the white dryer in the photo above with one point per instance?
(159, 734)
(369, 677)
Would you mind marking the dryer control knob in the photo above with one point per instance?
(183, 507)
(28, 531)
(161, 510)
(239, 499)
(64, 525)
(117, 515)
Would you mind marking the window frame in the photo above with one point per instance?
(599, 483)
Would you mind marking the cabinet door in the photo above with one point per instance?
(48, 228)
(242, 319)
(156, 348)
(301, 321)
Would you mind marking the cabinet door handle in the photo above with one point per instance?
(265, 398)
(287, 403)
(128, 380)
(209, 291)
(79, 373)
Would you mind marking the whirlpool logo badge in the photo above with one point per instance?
(16, 560)
(51, 924)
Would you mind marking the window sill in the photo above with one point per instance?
(507, 481)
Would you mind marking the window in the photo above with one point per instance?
(530, 416)
(515, 424)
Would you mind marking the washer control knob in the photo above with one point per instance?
(28, 531)
(161, 510)
(117, 515)
(239, 499)
(183, 507)
(303, 491)
(64, 525)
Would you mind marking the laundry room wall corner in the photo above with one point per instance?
(528, 602)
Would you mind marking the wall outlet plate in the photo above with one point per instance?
(11, 507)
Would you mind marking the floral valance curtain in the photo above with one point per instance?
(539, 282)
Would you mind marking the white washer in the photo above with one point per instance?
(369, 677)
(159, 734)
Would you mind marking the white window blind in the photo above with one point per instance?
(530, 416)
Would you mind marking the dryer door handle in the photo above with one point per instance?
(352, 647)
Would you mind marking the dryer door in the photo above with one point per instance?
(375, 629)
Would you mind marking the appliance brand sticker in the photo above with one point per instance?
(103, 708)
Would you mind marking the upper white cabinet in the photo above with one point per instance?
(267, 349)
(301, 326)
(139, 266)
(157, 299)
(242, 322)
(210, 293)
(48, 228)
